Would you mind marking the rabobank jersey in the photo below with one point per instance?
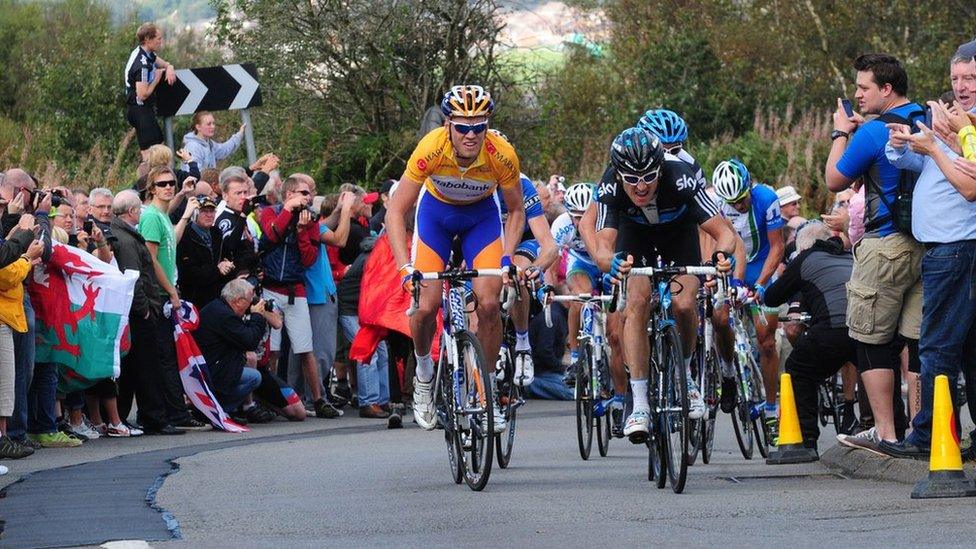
(433, 164)
(754, 225)
(680, 196)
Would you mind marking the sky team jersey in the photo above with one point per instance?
(680, 196)
(686, 157)
(754, 225)
(433, 164)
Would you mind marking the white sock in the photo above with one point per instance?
(425, 368)
(688, 366)
(639, 388)
(522, 341)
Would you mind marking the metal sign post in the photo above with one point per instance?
(252, 154)
(168, 128)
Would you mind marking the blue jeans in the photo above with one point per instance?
(948, 325)
(42, 398)
(250, 381)
(373, 378)
(549, 386)
(23, 372)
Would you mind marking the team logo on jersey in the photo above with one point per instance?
(608, 188)
(422, 165)
(490, 147)
(685, 182)
(224, 225)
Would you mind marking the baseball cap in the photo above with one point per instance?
(787, 195)
(966, 51)
(369, 198)
(207, 202)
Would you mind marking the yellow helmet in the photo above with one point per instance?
(467, 101)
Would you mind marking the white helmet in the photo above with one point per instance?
(731, 180)
(578, 197)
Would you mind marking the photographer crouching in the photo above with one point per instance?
(820, 274)
(226, 334)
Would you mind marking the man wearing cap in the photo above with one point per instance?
(376, 222)
(789, 202)
(203, 271)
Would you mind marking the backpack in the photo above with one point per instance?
(900, 213)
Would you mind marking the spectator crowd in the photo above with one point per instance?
(280, 275)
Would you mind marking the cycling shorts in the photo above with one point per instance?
(528, 249)
(753, 270)
(478, 226)
(577, 263)
(677, 243)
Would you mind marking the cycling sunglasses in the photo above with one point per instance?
(738, 200)
(647, 178)
(672, 148)
(464, 129)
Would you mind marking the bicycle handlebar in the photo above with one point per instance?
(462, 274)
(655, 272)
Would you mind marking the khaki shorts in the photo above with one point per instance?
(884, 295)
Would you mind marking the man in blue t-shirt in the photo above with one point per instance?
(884, 295)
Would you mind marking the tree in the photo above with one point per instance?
(347, 81)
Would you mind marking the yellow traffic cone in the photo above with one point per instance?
(946, 479)
(789, 446)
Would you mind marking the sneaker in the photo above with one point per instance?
(101, 428)
(65, 427)
(117, 431)
(423, 404)
(636, 427)
(28, 442)
(848, 419)
(134, 429)
(524, 369)
(56, 439)
(11, 449)
(83, 431)
(192, 424)
(342, 391)
(903, 450)
(696, 404)
(326, 410)
(499, 423)
(772, 428)
(865, 440)
(728, 394)
(260, 414)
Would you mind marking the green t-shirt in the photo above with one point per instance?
(156, 227)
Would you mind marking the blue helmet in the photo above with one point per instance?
(667, 125)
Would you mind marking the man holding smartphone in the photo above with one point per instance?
(884, 294)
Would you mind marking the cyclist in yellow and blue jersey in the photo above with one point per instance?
(452, 177)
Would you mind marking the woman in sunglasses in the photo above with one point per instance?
(452, 176)
(754, 213)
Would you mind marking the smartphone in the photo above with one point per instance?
(88, 226)
(848, 109)
(928, 119)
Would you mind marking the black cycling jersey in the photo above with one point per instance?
(680, 196)
(141, 67)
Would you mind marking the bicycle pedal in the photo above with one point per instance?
(637, 438)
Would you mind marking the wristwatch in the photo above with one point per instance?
(838, 133)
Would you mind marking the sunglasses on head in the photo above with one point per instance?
(166, 183)
(464, 129)
(647, 178)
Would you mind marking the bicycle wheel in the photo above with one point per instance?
(447, 407)
(509, 397)
(584, 404)
(836, 391)
(696, 426)
(741, 422)
(822, 408)
(710, 385)
(477, 421)
(674, 422)
(763, 438)
(603, 422)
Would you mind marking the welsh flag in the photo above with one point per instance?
(82, 309)
(193, 368)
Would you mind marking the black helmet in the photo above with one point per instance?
(636, 151)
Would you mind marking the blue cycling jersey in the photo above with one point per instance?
(754, 226)
(530, 199)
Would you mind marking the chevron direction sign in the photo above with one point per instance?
(225, 88)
